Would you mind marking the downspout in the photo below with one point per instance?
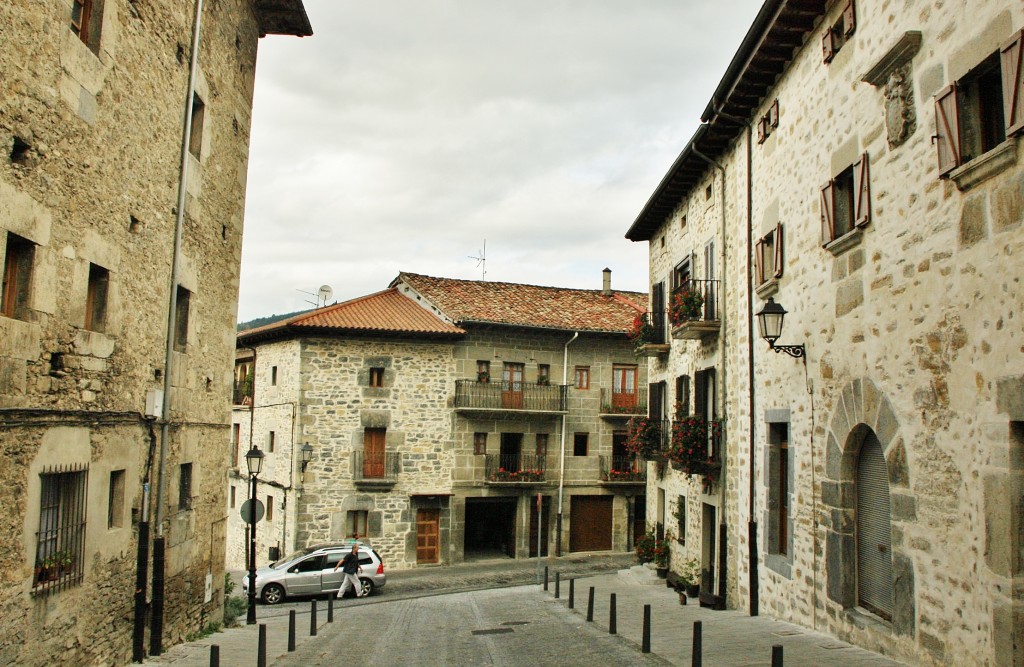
(720, 395)
(156, 626)
(561, 452)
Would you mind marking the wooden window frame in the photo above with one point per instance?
(377, 376)
(837, 34)
(185, 486)
(81, 19)
(542, 445)
(769, 246)
(115, 499)
(17, 277)
(479, 443)
(849, 195)
(270, 507)
(543, 374)
(355, 520)
(582, 375)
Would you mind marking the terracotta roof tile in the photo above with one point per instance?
(528, 305)
(383, 312)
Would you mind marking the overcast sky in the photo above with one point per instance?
(405, 132)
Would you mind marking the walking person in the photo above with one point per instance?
(350, 567)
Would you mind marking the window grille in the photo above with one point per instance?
(60, 542)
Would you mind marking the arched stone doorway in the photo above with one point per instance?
(864, 491)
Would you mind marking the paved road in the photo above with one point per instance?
(421, 622)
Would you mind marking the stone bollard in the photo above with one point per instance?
(291, 630)
(611, 615)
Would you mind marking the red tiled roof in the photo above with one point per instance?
(528, 305)
(381, 312)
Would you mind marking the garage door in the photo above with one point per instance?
(590, 527)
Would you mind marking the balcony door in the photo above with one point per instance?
(512, 386)
(373, 453)
(624, 386)
(511, 452)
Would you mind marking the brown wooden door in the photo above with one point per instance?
(590, 523)
(624, 386)
(512, 386)
(428, 535)
(373, 453)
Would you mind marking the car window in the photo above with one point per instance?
(365, 560)
(309, 565)
(332, 560)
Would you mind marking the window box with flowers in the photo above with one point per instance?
(644, 337)
(691, 315)
(643, 437)
(513, 476)
(694, 447)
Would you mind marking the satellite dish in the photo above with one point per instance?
(324, 294)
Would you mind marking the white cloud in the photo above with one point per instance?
(404, 133)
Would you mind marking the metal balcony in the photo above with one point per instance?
(515, 469)
(691, 321)
(520, 397)
(623, 470)
(376, 469)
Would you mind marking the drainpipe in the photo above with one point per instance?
(561, 453)
(722, 314)
(156, 626)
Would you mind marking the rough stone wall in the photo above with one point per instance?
(88, 173)
(337, 405)
(908, 330)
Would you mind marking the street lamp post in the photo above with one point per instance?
(254, 460)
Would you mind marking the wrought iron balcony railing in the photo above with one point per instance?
(517, 396)
(627, 405)
(628, 469)
(376, 466)
(515, 468)
(695, 300)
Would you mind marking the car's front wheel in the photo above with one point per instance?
(365, 587)
(273, 593)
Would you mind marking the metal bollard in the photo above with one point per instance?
(572, 593)
(557, 583)
(545, 577)
(261, 651)
(611, 615)
(645, 646)
(330, 609)
(776, 655)
(312, 619)
(214, 655)
(698, 649)
(291, 630)
(590, 605)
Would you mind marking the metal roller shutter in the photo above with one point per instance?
(874, 540)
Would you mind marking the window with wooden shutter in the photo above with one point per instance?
(828, 51)
(862, 192)
(1012, 64)
(849, 19)
(761, 134)
(759, 261)
(777, 273)
(683, 396)
(773, 115)
(947, 130)
(827, 212)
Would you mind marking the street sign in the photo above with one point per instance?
(245, 510)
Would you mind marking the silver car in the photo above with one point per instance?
(311, 572)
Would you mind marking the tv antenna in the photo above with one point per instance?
(323, 295)
(481, 261)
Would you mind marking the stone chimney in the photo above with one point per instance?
(606, 287)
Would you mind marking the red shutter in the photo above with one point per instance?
(1012, 55)
(827, 49)
(828, 229)
(849, 19)
(761, 135)
(778, 251)
(947, 130)
(773, 114)
(759, 261)
(861, 192)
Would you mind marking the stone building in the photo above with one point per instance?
(437, 411)
(860, 165)
(91, 113)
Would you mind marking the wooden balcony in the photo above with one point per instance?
(514, 397)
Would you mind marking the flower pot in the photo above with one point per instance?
(662, 572)
(693, 590)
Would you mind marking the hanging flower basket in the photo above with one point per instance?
(689, 449)
(641, 332)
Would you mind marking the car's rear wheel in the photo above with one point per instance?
(365, 587)
(273, 593)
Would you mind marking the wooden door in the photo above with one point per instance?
(428, 535)
(373, 453)
(512, 386)
(590, 526)
(624, 386)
